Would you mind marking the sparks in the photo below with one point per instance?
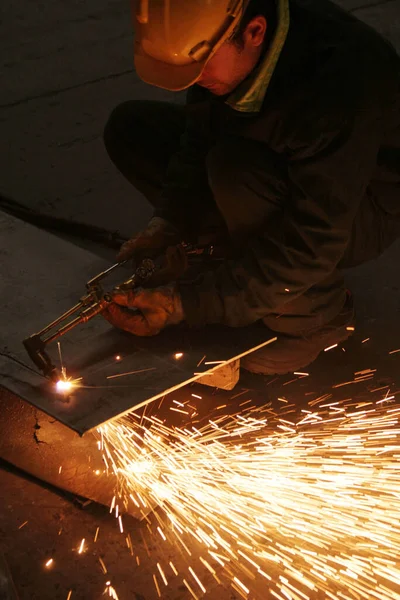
(156, 585)
(103, 566)
(200, 361)
(178, 355)
(110, 590)
(120, 524)
(162, 574)
(310, 504)
(215, 362)
(81, 547)
(49, 563)
(131, 373)
(330, 347)
(63, 386)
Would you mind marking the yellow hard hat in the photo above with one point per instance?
(175, 38)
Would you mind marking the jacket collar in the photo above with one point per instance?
(248, 97)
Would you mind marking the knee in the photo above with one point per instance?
(224, 166)
(238, 166)
(116, 125)
(237, 160)
(226, 171)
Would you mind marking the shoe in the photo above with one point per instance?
(289, 353)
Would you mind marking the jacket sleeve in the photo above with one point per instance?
(333, 156)
(186, 193)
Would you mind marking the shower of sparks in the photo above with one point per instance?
(309, 505)
(49, 563)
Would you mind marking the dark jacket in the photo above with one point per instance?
(332, 111)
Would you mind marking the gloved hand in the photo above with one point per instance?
(156, 237)
(155, 309)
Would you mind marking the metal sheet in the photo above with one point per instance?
(42, 276)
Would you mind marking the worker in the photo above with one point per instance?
(288, 149)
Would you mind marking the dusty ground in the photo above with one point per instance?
(64, 66)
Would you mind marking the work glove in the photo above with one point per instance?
(145, 312)
(156, 237)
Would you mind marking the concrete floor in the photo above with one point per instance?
(64, 65)
(54, 529)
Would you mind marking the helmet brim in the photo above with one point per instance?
(164, 75)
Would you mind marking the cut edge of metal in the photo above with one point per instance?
(193, 379)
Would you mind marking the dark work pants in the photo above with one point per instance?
(140, 137)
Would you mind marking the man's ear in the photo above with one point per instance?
(254, 34)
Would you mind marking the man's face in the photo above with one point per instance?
(232, 63)
(225, 70)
